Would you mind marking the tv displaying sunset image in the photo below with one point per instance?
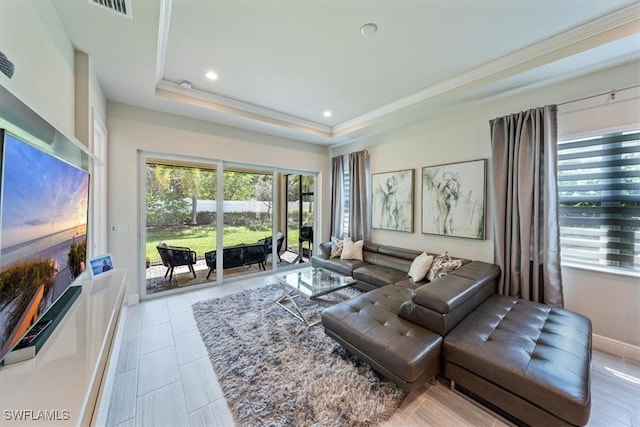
(43, 226)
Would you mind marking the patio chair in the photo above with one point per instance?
(306, 235)
(231, 257)
(176, 256)
(237, 256)
(268, 243)
(256, 254)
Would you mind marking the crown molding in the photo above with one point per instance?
(223, 104)
(626, 16)
(613, 26)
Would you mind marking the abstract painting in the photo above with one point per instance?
(392, 200)
(453, 199)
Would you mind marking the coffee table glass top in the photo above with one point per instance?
(316, 282)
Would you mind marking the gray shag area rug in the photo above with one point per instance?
(276, 372)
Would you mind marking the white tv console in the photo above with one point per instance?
(60, 385)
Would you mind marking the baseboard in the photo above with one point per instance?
(618, 348)
(101, 410)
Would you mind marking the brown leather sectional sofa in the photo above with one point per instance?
(526, 360)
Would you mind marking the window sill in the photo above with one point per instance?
(601, 269)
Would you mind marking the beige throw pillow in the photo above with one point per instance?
(420, 266)
(442, 265)
(352, 250)
(336, 247)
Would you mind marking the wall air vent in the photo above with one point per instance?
(122, 7)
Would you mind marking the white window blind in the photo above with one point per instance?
(346, 195)
(599, 195)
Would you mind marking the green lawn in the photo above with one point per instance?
(202, 239)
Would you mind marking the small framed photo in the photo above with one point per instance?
(100, 265)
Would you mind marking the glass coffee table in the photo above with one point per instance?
(314, 282)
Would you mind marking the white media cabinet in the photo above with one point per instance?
(60, 386)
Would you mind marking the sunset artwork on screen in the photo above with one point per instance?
(43, 227)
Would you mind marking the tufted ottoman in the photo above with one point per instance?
(529, 360)
(369, 327)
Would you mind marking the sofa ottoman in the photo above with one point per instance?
(530, 360)
(368, 326)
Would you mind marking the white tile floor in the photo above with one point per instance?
(164, 377)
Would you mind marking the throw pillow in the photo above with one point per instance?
(442, 265)
(352, 250)
(420, 266)
(336, 247)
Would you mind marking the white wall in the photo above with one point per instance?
(47, 77)
(32, 37)
(89, 99)
(97, 100)
(132, 129)
(434, 141)
(610, 301)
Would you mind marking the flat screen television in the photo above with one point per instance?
(43, 226)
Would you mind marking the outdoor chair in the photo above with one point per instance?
(176, 256)
(306, 235)
(256, 254)
(268, 243)
(237, 256)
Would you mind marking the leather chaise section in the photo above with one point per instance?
(370, 324)
(538, 353)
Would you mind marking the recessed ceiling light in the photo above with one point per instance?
(368, 29)
(211, 75)
(327, 113)
(185, 84)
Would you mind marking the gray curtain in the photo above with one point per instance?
(337, 198)
(525, 203)
(359, 196)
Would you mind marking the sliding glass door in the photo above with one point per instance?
(180, 225)
(248, 221)
(300, 217)
(206, 222)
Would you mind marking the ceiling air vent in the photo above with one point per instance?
(122, 7)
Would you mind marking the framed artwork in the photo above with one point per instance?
(100, 265)
(453, 199)
(392, 200)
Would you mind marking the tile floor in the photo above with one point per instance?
(164, 378)
(163, 375)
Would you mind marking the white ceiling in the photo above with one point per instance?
(282, 63)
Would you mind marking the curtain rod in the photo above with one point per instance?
(611, 93)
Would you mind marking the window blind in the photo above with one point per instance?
(599, 195)
(346, 195)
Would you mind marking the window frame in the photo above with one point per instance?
(572, 137)
(345, 185)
